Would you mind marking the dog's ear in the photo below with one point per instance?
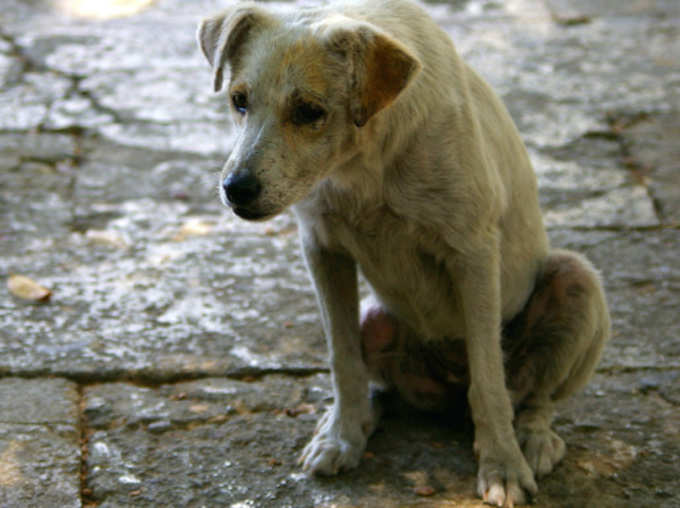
(223, 36)
(380, 67)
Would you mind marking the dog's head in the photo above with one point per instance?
(301, 89)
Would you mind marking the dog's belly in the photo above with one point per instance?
(406, 276)
(424, 301)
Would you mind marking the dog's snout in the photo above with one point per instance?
(241, 188)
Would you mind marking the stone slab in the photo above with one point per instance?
(654, 150)
(39, 443)
(236, 443)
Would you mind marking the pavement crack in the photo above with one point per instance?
(155, 379)
(85, 492)
(619, 228)
(619, 369)
(640, 173)
(98, 106)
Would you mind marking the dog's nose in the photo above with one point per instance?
(241, 188)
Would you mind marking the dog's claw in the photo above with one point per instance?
(505, 482)
(336, 446)
(328, 456)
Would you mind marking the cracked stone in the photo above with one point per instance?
(623, 207)
(252, 450)
(10, 70)
(200, 137)
(38, 401)
(161, 95)
(75, 112)
(220, 316)
(39, 443)
(577, 9)
(34, 94)
(654, 144)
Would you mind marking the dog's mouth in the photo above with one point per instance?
(247, 214)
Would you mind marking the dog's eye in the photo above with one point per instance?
(240, 101)
(306, 113)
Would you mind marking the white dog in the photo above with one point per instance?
(398, 158)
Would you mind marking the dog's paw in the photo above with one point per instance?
(543, 449)
(337, 445)
(504, 479)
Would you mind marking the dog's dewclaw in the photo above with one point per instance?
(27, 289)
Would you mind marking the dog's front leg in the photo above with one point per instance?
(341, 434)
(503, 475)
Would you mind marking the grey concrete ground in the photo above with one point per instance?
(180, 360)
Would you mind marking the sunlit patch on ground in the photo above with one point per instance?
(103, 9)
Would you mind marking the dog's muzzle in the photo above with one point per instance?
(241, 189)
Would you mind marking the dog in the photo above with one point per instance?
(399, 160)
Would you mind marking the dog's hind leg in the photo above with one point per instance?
(552, 348)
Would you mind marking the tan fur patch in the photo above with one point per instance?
(388, 71)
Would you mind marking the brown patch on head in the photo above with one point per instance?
(302, 78)
(302, 66)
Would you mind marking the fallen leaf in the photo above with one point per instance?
(424, 491)
(303, 408)
(193, 227)
(218, 419)
(28, 289)
(199, 408)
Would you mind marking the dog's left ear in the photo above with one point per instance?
(380, 67)
(222, 37)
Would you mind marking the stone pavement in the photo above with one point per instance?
(180, 360)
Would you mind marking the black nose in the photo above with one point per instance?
(241, 188)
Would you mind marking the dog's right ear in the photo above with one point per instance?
(380, 68)
(222, 37)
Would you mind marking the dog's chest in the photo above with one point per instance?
(404, 263)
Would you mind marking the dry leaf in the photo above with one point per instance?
(300, 409)
(199, 408)
(28, 289)
(424, 491)
(193, 227)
